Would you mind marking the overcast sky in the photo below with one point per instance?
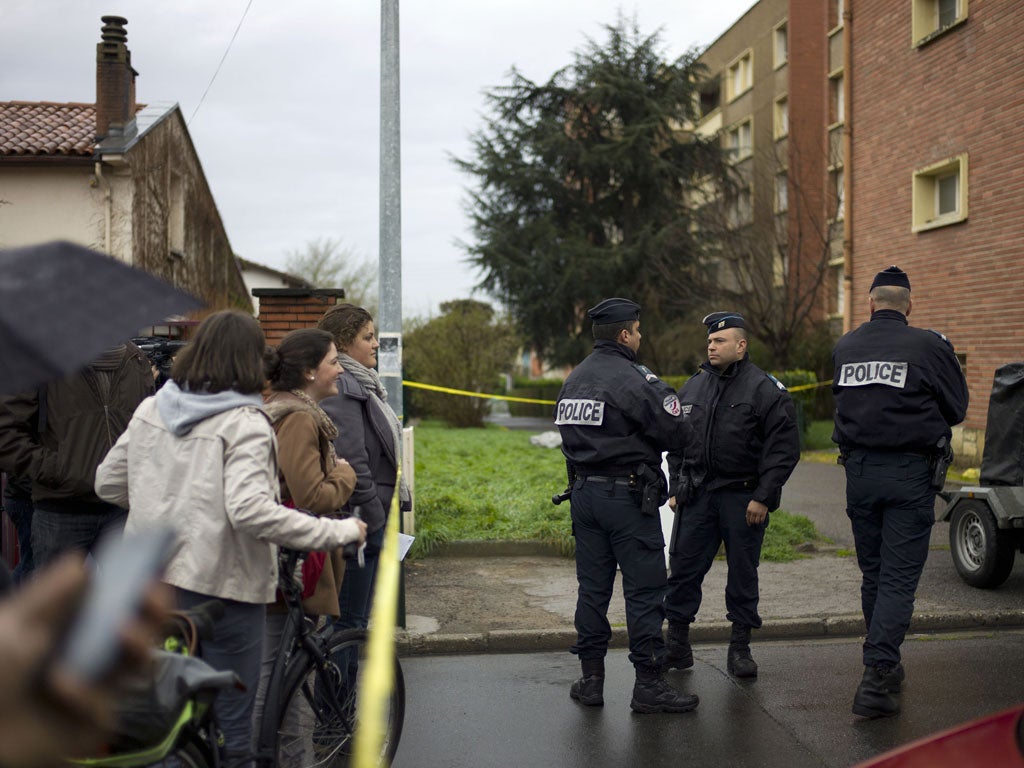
(288, 131)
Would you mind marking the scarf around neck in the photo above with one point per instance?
(278, 409)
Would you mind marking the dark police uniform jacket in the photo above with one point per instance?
(739, 431)
(614, 414)
(897, 388)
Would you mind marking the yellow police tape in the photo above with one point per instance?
(378, 678)
(450, 391)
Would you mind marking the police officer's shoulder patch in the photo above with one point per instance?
(943, 337)
(671, 405)
(647, 373)
(778, 383)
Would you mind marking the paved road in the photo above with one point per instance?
(514, 709)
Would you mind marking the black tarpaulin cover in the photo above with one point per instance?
(1002, 462)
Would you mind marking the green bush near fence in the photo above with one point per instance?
(492, 484)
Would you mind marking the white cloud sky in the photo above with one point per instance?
(288, 133)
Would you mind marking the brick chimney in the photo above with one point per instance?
(285, 309)
(115, 81)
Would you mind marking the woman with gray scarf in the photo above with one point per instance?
(369, 438)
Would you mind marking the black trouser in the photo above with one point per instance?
(610, 529)
(702, 524)
(891, 506)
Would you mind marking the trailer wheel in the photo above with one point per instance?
(983, 555)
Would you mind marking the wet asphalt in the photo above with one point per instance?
(505, 710)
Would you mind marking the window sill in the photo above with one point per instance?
(939, 32)
(942, 221)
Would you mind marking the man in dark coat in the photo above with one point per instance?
(740, 445)
(616, 418)
(899, 390)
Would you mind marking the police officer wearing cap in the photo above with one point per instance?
(616, 418)
(740, 446)
(898, 392)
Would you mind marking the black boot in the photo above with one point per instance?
(680, 654)
(875, 695)
(653, 693)
(589, 689)
(739, 662)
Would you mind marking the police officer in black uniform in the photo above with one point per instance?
(898, 391)
(740, 446)
(616, 417)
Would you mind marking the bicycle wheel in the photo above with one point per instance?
(316, 719)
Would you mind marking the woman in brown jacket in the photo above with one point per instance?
(302, 371)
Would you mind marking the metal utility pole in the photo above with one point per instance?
(389, 356)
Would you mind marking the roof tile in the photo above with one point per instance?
(46, 128)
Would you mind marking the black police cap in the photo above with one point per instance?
(614, 310)
(891, 276)
(717, 321)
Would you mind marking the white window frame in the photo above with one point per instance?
(925, 205)
(837, 98)
(781, 192)
(780, 53)
(925, 25)
(740, 150)
(780, 122)
(739, 75)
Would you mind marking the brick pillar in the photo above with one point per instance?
(285, 309)
(115, 80)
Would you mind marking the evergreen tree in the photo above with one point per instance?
(580, 185)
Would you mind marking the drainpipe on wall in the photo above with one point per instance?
(101, 181)
(848, 167)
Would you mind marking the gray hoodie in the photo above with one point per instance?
(182, 409)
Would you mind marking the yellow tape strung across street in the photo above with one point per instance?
(378, 679)
(448, 390)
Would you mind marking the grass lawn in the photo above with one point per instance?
(492, 483)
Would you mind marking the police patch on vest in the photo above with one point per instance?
(671, 405)
(582, 412)
(875, 372)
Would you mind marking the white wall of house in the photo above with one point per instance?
(38, 204)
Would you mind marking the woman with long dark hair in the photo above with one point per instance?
(199, 457)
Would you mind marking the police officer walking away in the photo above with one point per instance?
(616, 417)
(898, 390)
(740, 445)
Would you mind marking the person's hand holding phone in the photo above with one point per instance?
(46, 711)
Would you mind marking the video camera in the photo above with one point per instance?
(161, 352)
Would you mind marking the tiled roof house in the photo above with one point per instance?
(118, 176)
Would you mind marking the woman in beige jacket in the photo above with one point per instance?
(201, 457)
(302, 371)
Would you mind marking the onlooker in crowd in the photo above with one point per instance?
(302, 371)
(740, 445)
(200, 457)
(616, 417)
(369, 436)
(18, 506)
(58, 434)
(898, 392)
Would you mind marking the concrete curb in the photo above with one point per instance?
(531, 641)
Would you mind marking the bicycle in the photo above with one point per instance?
(168, 718)
(309, 711)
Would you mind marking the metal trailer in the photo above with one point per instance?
(986, 529)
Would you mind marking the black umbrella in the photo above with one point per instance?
(62, 305)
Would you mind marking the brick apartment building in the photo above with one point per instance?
(938, 159)
(894, 123)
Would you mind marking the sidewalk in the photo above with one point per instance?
(488, 600)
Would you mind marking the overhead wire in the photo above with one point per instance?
(222, 58)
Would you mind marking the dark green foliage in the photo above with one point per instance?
(579, 185)
(465, 348)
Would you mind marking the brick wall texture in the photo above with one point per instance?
(280, 314)
(963, 92)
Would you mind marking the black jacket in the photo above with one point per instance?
(364, 440)
(897, 388)
(739, 431)
(614, 414)
(84, 416)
